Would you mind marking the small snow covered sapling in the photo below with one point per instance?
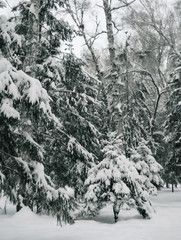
(115, 180)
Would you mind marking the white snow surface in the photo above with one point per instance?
(165, 225)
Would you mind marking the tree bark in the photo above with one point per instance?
(172, 187)
(110, 34)
(114, 93)
(116, 209)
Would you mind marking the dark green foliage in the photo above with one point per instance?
(27, 122)
(25, 115)
(173, 125)
(71, 150)
(74, 93)
(51, 30)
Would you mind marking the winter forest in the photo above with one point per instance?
(90, 111)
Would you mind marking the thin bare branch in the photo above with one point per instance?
(92, 39)
(99, 6)
(122, 6)
(115, 26)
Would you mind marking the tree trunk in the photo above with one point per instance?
(172, 186)
(5, 207)
(116, 209)
(115, 122)
(110, 34)
(18, 207)
(19, 204)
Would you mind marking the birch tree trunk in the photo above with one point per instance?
(110, 34)
(114, 92)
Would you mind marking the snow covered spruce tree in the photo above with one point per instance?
(147, 167)
(25, 115)
(75, 100)
(70, 151)
(24, 106)
(115, 180)
(173, 124)
(74, 149)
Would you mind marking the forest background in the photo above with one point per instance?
(78, 132)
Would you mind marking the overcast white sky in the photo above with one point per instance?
(78, 42)
(11, 3)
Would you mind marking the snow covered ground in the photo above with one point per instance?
(165, 224)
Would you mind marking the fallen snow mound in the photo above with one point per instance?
(25, 215)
